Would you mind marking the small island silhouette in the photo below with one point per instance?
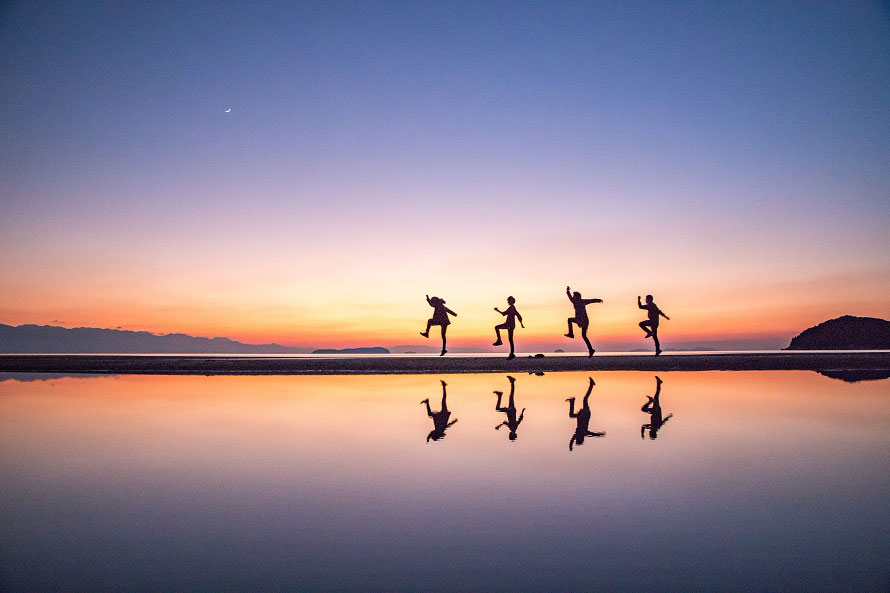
(371, 350)
(845, 333)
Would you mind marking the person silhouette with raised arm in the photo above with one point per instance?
(653, 408)
(440, 418)
(512, 422)
(651, 326)
(583, 418)
(580, 318)
(440, 317)
(510, 324)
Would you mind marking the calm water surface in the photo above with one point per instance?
(757, 481)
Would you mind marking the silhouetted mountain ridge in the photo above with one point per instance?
(51, 339)
(845, 333)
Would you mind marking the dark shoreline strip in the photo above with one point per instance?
(376, 365)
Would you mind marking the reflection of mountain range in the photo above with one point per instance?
(46, 339)
(845, 333)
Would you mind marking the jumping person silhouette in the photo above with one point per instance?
(651, 326)
(583, 418)
(580, 317)
(653, 408)
(440, 317)
(440, 418)
(510, 324)
(512, 422)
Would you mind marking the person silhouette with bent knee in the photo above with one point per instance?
(651, 325)
(653, 408)
(510, 324)
(440, 418)
(440, 318)
(580, 319)
(583, 419)
(512, 422)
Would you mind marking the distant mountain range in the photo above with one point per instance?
(48, 339)
(845, 333)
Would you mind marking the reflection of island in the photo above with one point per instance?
(374, 350)
(854, 376)
(512, 422)
(583, 419)
(845, 333)
(653, 408)
(440, 418)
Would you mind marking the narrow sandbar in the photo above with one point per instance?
(375, 365)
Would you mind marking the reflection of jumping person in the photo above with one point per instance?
(512, 315)
(653, 408)
(440, 418)
(440, 317)
(580, 318)
(512, 422)
(651, 326)
(583, 416)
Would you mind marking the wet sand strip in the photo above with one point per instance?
(375, 365)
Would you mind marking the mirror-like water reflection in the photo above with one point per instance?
(757, 481)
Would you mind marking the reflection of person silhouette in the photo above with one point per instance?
(651, 326)
(653, 408)
(440, 317)
(512, 422)
(580, 318)
(583, 417)
(512, 315)
(440, 418)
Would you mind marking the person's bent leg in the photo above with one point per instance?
(571, 333)
(644, 325)
(497, 331)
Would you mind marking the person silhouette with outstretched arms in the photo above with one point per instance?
(582, 430)
(440, 418)
(440, 317)
(580, 319)
(653, 408)
(512, 422)
(510, 324)
(651, 325)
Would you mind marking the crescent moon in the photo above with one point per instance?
(229, 110)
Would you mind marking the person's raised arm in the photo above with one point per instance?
(640, 303)
(569, 293)
(428, 302)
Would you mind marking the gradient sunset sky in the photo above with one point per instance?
(731, 158)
